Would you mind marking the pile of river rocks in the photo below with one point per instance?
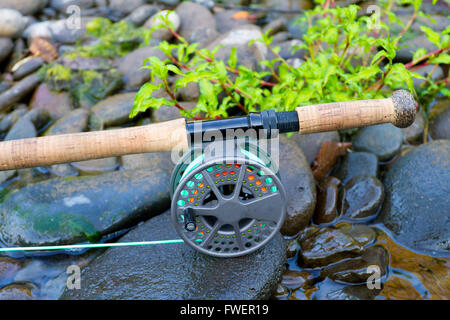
(91, 200)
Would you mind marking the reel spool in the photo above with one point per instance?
(227, 205)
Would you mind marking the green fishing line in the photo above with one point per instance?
(93, 245)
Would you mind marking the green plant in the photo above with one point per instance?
(348, 58)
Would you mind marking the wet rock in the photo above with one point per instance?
(354, 292)
(288, 50)
(18, 291)
(6, 47)
(166, 113)
(299, 182)
(73, 122)
(281, 292)
(12, 23)
(417, 206)
(327, 196)
(22, 129)
(311, 143)
(357, 270)
(275, 26)
(4, 85)
(240, 37)
(12, 117)
(126, 6)
(18, 91)
(292, 248)
(131, 64)
(437, 74)
(156, 19)
(26, 66)
(70, 210)
(360, 232)
(415, 131)
(176, 271)
(8, 267)
(26, 7)
(112, 111)
(57, 104)
(440, 124)
(356, 164)
(141, 14)
(204, 36)
(361, 198)
(189, 12)
(97, 166)
(226, 22)
(295, 279)
(323, 246)
(384, 140)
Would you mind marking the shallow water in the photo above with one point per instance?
(411, 275)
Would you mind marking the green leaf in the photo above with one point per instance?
(443, 58)
(174, 69)
(143, 99)
(432, 36)
(232, 61)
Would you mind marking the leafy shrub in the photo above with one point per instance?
(348, 58)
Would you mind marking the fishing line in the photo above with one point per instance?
(93, 245)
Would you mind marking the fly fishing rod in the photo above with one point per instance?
(224, 205)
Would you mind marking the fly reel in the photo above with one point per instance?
(227, 204)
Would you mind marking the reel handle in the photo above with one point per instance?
(399, 109)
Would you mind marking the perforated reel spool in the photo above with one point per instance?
(233, 203)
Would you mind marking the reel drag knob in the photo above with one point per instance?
(228, 207)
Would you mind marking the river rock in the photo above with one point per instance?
(18, 91)
(26, 66)
(6, 47)
(57, 104)
(327, 199)
(300, 187)
(356, 164)
(8, 121)
(18, 291)
(70, 210)
(361, 198)
(26, 7)
(5, 175)
(156, 19)
(440, 124)
(176, 271)
(8, 267)
(189, 12)
(131, 66)
(357, 270)
(412, 133)
(12, 23)
(125, 6)
(275, 26)
(141, 14)
(226, 22)
(417, 206)
(408, 47)
(112, 111)
(296, 279)
(22, 129)
(62, 5)
(166, 113)
(362, 233)
(240, 38)
(73, 122)
(323, 246)
(96, 166)
(311, 143)
(384, 140)
(437, 74)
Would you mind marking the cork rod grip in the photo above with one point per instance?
(399, 109)
(43, 151)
